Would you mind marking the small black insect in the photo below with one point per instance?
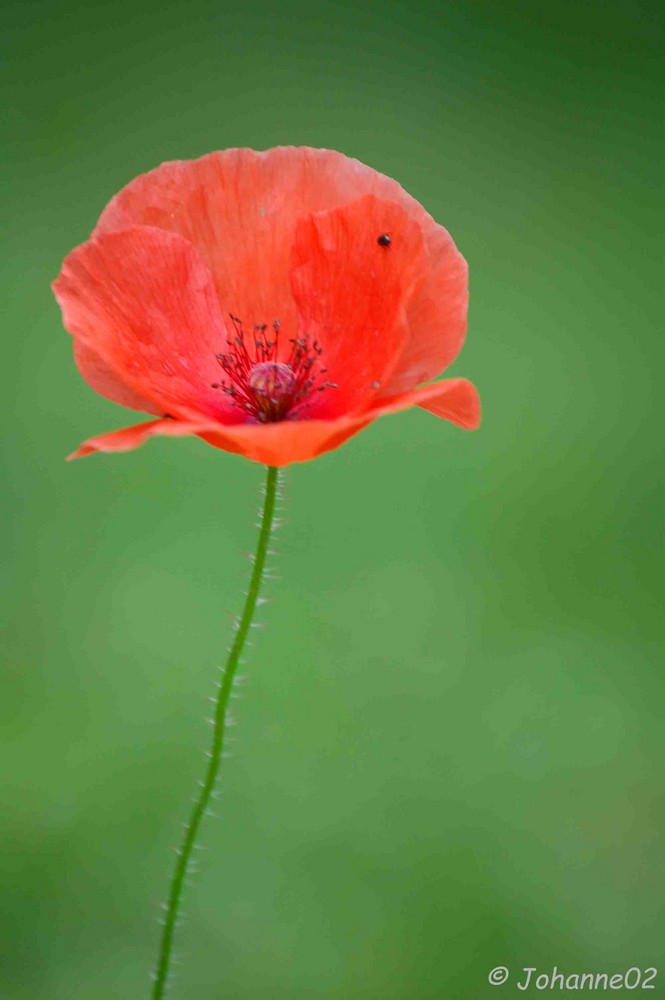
(384, 240)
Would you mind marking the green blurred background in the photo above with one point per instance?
(449, 755)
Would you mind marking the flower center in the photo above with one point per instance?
(267, 389)
(272, 384)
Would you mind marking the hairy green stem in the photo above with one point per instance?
(217, 746)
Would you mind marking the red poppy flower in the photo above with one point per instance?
(271, 303)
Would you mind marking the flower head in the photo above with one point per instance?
(271, 303)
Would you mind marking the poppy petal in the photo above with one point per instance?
(143, 302)
(104, 380)
(297, 440)
(240, 209)
(454, 399)
(129, 437)
(350, 294)
(274, 444)
(436, 315)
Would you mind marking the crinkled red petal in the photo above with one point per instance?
(143, 303)
(297, 441)
(436, 315)
(104, 380)
(350, 294)
(240, 208)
